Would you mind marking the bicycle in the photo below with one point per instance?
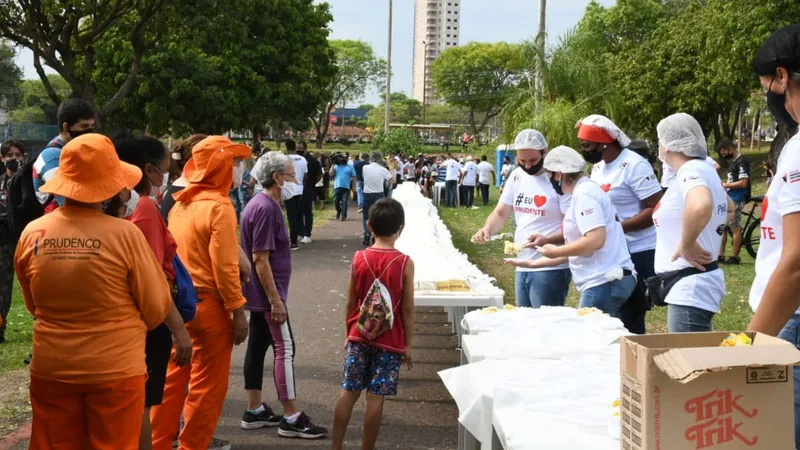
(751, 229)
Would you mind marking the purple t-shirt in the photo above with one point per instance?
(263, 229)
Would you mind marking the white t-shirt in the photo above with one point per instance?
(374, 177)
(783, 198)
(300, 168)
(470, 173)
(629, 179)
(485, 172)
(452, 170)
(705, 290)
(668, 173)
(399, 165)
(537, 209)
(591, 208)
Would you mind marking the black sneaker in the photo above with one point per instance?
(266, 418)
(219, 444)
(295, 247)
(302, 428)
(733, 260)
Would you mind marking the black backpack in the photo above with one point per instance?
(22, 204)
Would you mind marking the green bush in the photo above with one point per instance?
(397, 141)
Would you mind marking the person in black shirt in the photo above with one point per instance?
(310, 181)
(738, 187)
(13, 155)
(362, 161)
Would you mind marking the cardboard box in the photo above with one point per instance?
(684, 392)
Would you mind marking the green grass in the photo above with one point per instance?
(19, 332)
(735, 313)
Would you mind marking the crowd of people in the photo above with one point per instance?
(144, 266)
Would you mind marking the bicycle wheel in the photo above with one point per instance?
(752, 237)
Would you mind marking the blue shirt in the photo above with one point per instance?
(45, 167)
(343, 175)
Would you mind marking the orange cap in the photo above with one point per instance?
(595, 134)
(90, 171)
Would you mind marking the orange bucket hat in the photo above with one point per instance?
(210, 171)
(90, 171)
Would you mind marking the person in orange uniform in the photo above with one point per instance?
(203, 223)
(95, 289)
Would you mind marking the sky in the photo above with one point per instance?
(481, 21)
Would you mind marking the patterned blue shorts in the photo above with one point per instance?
(371, 368)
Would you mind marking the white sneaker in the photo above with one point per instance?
(305, 240)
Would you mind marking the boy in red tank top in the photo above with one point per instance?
(379, 322)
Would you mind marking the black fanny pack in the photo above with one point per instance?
(659, 286)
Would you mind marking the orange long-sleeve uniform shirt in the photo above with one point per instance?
(95, 288)
(205, 230)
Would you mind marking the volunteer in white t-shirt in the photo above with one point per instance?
(538, 210)
(690, 220)
(485, 178)
(668, 173)
(633, 187)
(376, 176)
(594, 243)
(469, 176)
(294, 205)
(451, 181)
(773, 296)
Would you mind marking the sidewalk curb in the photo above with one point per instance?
(10, 441)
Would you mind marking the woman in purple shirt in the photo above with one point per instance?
(265, 241)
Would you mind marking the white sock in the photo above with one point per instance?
(258, 410)
(293, 418)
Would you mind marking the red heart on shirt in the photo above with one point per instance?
(539, 200)
(764, 207)
(606, 187)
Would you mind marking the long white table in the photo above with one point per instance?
(457, 305)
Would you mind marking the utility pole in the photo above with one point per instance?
(388, 116)
(425, 84)
(540, 46)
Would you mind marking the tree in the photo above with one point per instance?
(479, 77)
(243, 71)
(10, 78)
(404, 110)
(357, 68)
(64, 34)
(35, 105)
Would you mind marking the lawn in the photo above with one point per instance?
(19, 331)
(735, 314)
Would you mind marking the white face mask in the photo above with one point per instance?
(130, 205)
(288, 190)
(155, 191)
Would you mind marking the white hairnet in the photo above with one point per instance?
(565, 160)
(681, 133)
(530, 139)
(596, 120)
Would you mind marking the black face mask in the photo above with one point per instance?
(777, 107)
(593, 156)
(726, 156)
(12, 165)
(556, 186)
(536, 168)
(75, 133)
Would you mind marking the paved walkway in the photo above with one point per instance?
(422, 416)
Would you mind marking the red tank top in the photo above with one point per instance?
(393, 263)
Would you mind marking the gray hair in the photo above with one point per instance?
(376, 157)
(267, 165)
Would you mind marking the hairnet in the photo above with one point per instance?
(781, 49)
(565, 160)
(530, 139)
(681, 133)
(603, 122)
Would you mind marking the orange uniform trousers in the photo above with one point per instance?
(106, 416)
(206, 378)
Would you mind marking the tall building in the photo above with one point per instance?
(436, 28)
